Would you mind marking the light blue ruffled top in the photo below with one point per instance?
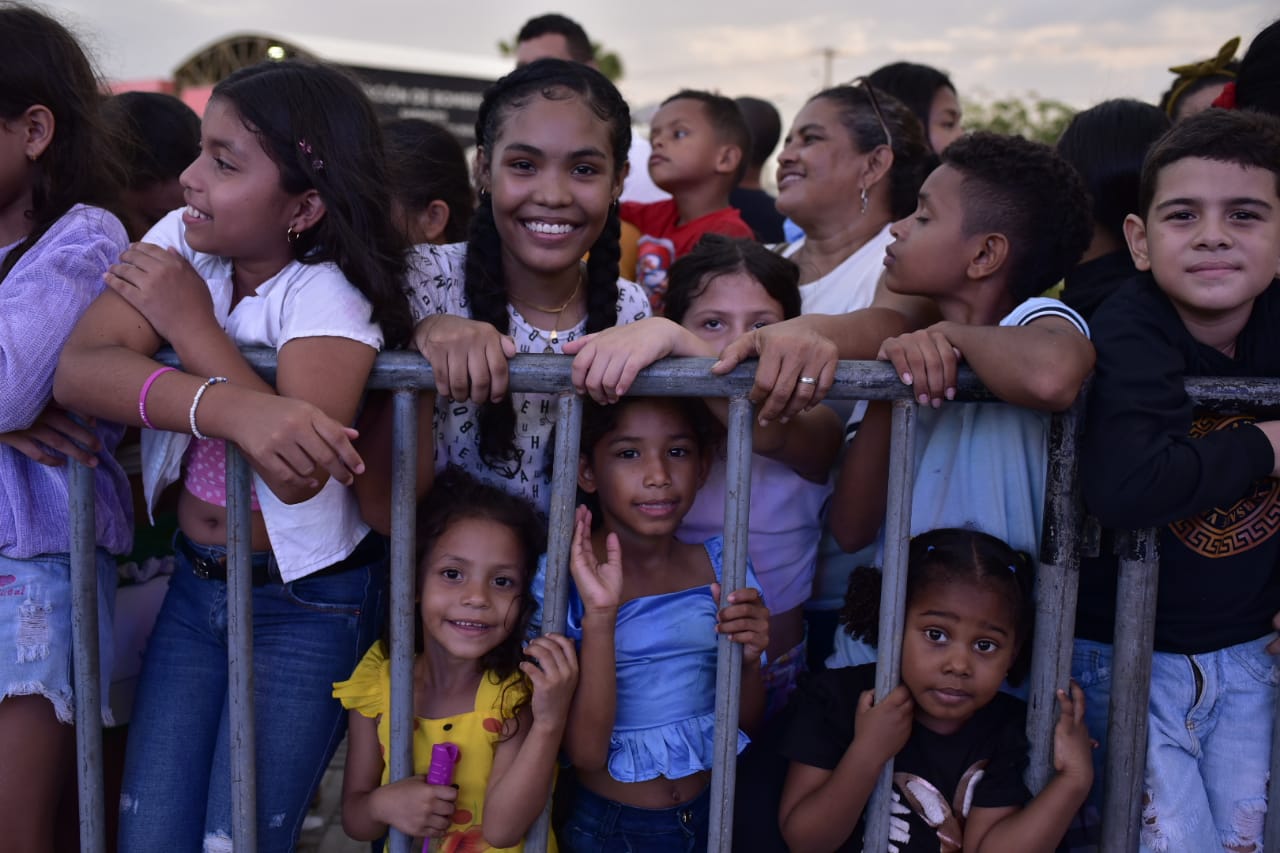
(665, 647)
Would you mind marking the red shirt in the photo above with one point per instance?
(663, 239)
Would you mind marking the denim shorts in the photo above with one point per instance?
(597, 825)
(35, 612)
(1208, 736)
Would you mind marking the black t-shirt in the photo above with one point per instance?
(1150, 458)
(980, 766)
(758, 211)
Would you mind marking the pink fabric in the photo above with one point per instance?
(207, 472)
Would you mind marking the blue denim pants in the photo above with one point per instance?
(597, 825)
(306, 635)
(1208, 742)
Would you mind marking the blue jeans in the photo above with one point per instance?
(1208, 742)
(306, 635)
(597, 825)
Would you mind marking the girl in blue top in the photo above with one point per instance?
(645, 611)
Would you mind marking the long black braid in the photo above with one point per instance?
(486, 287)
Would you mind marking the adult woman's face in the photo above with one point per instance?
(820, 168)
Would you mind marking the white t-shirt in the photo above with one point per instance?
(980, 466)
(851, 285)
(300, 301)
(437, 285)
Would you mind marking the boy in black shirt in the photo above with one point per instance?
(1205, 304)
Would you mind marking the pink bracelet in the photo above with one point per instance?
(142, 395)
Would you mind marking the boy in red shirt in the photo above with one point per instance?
(699, 143)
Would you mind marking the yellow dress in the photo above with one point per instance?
(476, 734)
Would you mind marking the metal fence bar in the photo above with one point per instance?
(402, 618)
(1057, 587)
(1271, 831)
(1130, 690)
(564, 502)
(86, 664)
(737, 512)
(893, 602)
(854, 380)
(244, 784)
(555, 599)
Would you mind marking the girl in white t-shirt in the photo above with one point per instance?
(285, 242)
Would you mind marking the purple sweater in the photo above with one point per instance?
(41, 299)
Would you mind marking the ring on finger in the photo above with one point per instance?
(808, 380)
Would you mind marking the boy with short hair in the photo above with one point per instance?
(700, 142)
(998, 222)
(1205, 304)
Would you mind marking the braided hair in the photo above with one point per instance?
(486, 285)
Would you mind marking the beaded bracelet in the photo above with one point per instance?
(146, 388)
(195, 403)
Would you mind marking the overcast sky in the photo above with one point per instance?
(1079, 51)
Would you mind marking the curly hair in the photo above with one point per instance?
(1027, 192)
(457, 496)
(952, 555)
(486, 286)
(315, 122)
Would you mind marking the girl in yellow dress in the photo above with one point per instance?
(470, 686)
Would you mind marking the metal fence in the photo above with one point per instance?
(407, 374)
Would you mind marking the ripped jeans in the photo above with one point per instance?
(306, 635)
(1208, 742)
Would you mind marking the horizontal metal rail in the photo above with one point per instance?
(408, 374)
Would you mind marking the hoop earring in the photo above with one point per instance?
(865, 200)
(291, 235)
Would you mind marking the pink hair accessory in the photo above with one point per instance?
(316, 162)
(142, 395)
(1227, 97)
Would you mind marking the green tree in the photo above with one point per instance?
(1041, 119)
(609, 63)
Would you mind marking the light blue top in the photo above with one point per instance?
(665, 646)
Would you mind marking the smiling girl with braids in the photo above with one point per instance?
(552, 138)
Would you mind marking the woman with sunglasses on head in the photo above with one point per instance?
(851, 164)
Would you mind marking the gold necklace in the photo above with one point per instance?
(556, 312)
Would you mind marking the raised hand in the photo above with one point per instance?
(926, 360)
(468, 357)
(552, 669)
(54, 437)
(745, 619)
(599, 584)
(163, 287)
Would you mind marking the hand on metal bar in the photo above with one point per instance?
(790, 356)
(468, 357)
